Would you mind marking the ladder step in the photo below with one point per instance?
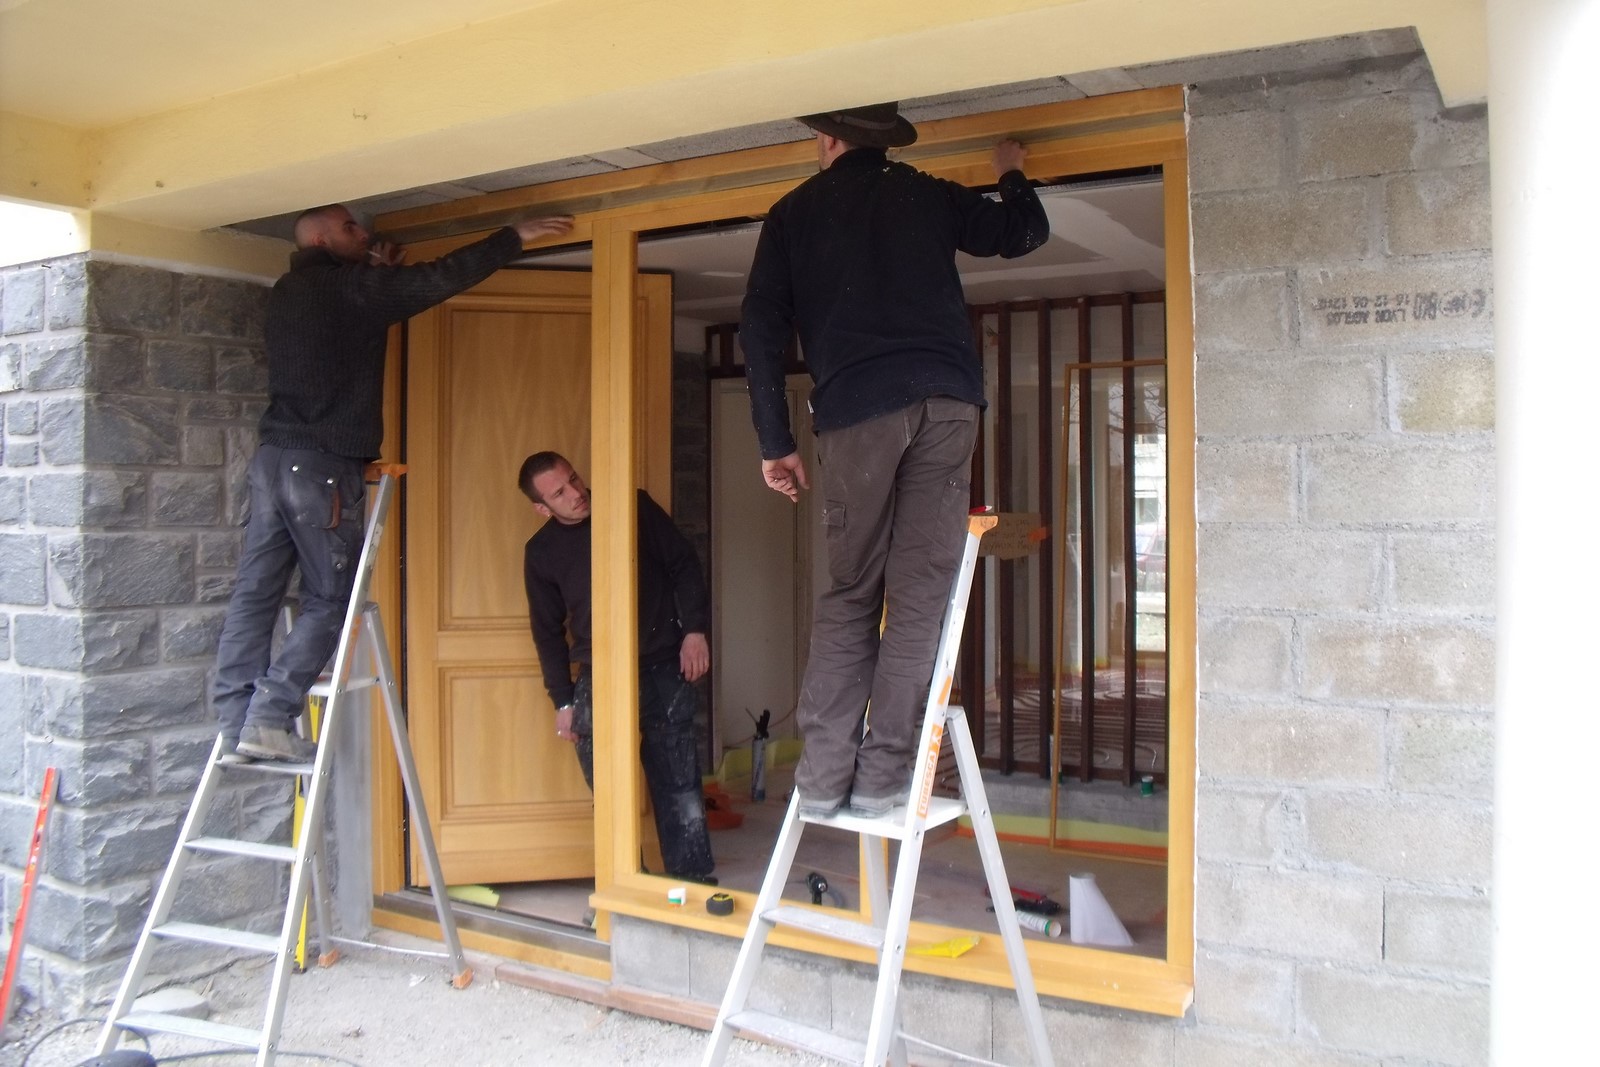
(941, 810)
(253, 849)
(272, 766)
(799, 1035)
(820, 922)
(323, 687)
(161, 1023)
(219, 935)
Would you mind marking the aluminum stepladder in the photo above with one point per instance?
(888, 932)
(363, 630)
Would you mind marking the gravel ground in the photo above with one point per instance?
(380, 1008)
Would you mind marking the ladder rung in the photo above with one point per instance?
(820, 922)
(161, 1023)
(893, 824)
(272, 766)
(252, 849)
(799, 1035)
(324, 686)
(219, 935)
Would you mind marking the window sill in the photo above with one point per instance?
(1070, 972)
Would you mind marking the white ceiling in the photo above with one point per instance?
(1104, 238)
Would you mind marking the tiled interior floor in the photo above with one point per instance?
(951, 888)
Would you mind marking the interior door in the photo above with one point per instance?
(493, 375)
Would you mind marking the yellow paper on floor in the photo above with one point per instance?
(951, 948)
(474, 894)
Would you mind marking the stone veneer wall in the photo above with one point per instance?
(130, 400)
(1345, 469)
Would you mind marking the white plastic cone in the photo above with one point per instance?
(1090, 916)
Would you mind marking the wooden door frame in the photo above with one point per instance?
(1103, 134)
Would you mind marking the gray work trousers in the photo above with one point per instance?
(307, 510)
(896, 493)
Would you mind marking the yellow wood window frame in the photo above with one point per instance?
(1110, 133)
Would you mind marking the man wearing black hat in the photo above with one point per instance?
(860, 259)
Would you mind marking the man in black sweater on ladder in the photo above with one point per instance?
(327, 331)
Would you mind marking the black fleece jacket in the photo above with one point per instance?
(555, 572)
(327, 331)
(861, 259)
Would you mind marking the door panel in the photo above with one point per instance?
(493, 375)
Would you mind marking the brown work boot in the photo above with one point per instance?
(262, 742)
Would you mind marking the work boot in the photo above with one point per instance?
(874, 807)
(230, 752)
(263, 742)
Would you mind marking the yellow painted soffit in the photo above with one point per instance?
(561, 81)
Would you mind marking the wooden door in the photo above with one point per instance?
(493, 375)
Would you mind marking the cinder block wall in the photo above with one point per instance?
(1346, 640)
(130, 396)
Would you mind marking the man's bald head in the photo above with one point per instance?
(332, 227)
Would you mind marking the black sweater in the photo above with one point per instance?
(556, 572)
(327, 331)
(861, 258)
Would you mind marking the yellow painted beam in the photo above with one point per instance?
(43, 163)
(582, 76)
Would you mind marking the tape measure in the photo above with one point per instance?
(719, 904)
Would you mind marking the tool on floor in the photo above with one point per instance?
(889, 922)
(362, 634)
(758, 757)
(30, 877)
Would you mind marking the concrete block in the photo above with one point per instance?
(224, 891)
(1444, 572)
(1429, 301)
(87, 498)
(130, 430)
(1330, 60)
(13, 499)
(1442, 752)
(1400, 481)
(177, 759)
(115, 363)
(213, 588)
(67, 292)
(1314, 223)
(1239, 150)
(122, 570)
(1443, 1023)
(21, 454)
(201, 446)
(1355, 138)
(1289, 397)
(1201, 1049)
(94, 772)
(1287, 568)
(1437, 211)
(115, 844)
(61, 429)
(1234, 991)
(1238, 825)
(1299, 746)
(125, 297)
(92, 643)
(1423, 839)
(1242, 313)
(119, 704)
(190, 633)
(86, 925)
(209, 409)
(183, 366)
(796, 986)
(11, 378)
(1244, 481)
(242, 371)
(1084, 1038)
(1454, 138)
(711, 960)
(1243, 656)
(13, 732)
(22, 568)
(1449, 933)
(59, 362)
(1103, 82)
(956, 1016)
(185, 499)
(783, 131)
(1049, 90)
(218, 549)
(22, 417)
(22, 301)
(1443, 392)
(1290, 913)
(1424, 663)
(5, 638)
(649, 955)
